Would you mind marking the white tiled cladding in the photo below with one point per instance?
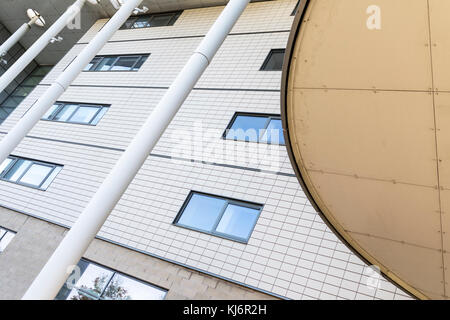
(236, 65)
(258, 17)
(291, 252)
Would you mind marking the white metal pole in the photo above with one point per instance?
(27, 122)
(14, 38)
(40, 44)
(70, 250)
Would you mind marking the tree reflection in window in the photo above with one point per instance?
(99, 283)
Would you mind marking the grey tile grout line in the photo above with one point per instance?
(190, 37)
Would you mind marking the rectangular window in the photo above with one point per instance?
(30, 173)
(254, 127)
(274, 60)
(219, 216)
(294, 12)
(5, 238)
(152, 20)
(117, 63)
(95, 282)
(79, 113)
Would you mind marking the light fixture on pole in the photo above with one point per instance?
(42, 42)
(35, 18)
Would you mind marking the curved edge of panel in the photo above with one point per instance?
(303, 179)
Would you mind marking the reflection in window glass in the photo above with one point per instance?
(219, 216)
(202, 212)
(274, 132)
(5, 238)
(30, 173)
(238, 221)
(274, 61)
(117, 63)
(247, 128)
(84, 114)
(76, 113)
(100, 283)
(151, 20)
(65, 113)
(255, 128)
(17, 170)
(36, 174)
(4, 165)
(9, 104)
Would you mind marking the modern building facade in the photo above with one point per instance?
(215, 213)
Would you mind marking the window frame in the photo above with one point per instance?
(117, 57)
(269, 56)
(269, 116)
(62, 104)
(294, 12)
(232, 201)
(6, 232)
(114, 272)
(175, 16)
(14, 159)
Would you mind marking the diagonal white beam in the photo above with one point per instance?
(70, 250)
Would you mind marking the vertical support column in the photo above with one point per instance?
(27, 122)
(14, 38)
(40, 44)
(70, 250)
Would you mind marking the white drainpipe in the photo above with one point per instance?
(71, 249)
(27, 122)
(40, 44)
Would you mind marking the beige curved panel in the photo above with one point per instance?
(367, 119)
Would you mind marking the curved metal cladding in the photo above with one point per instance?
(366, 112)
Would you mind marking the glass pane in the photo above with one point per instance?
(36, 174)
(4, 164)
(141, 22)
(84, 114)
(124, 63)
(17, 170)
(125, 288)
(275, 61)
(128, 24)
(202, 212)
(41, 71)
(105, 64)
(12, 102)
(92, 63)
(32, 81)
(160, 20)
(238, 221)
(49, 114)
(22, 91)
(99, 116)
(274, 132)
(6, 240)
(140, 63)
(65, 112)
(246, 128)
(50, 178)
(91, 284)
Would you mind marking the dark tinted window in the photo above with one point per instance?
(151, 20)
(274, 61)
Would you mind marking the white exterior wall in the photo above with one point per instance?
(291, 252)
